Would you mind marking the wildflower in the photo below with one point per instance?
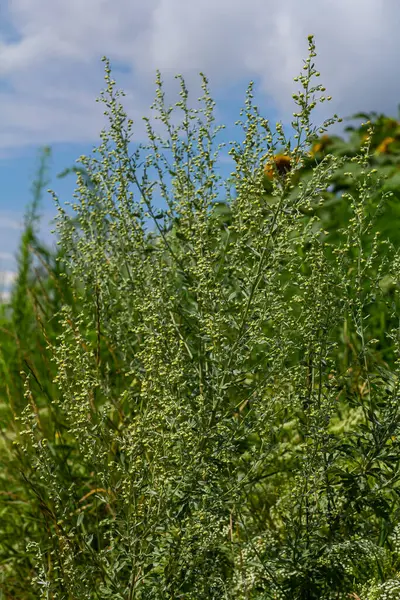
(383, 146)
(391, 123)
(281, 163)
(321, 145)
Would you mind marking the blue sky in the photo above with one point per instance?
(51, 73)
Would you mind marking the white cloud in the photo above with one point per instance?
(6, 256)
(7, 278)
(10, 222)
(52, 69)
(5, 296)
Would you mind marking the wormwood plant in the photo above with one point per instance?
(199, 451)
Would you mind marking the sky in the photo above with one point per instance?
(51, 74)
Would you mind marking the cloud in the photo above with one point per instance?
(7, 278)
(51, 71)
(4, 296)
(6, 256)
(10, 222)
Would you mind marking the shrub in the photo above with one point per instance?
(201, 438)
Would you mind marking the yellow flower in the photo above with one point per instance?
(383, 146)
(282, 164)
(320, 145)
(391, 123)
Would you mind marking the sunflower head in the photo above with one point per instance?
(383, 146)
(320, 145)
(391, 123)
(281, 163)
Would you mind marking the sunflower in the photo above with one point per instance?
(281, 163)
(383, 146)
(391, 123)
(319, 146)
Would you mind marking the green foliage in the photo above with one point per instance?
(27, 324)
(209, 410)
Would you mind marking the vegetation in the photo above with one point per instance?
(209, 409)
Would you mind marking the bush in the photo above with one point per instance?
(207, 433)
